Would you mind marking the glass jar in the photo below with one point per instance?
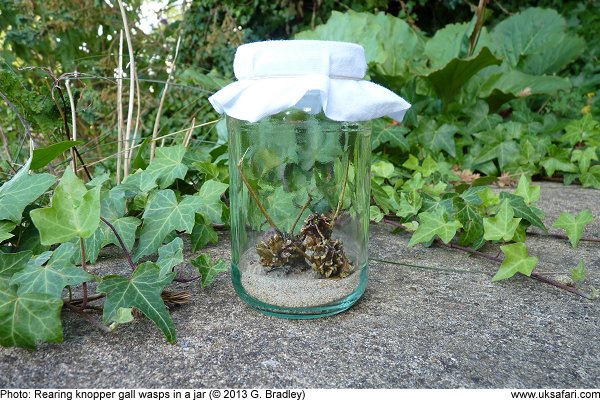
(299, 163)
(299, 190)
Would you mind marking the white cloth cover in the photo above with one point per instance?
(277, 75)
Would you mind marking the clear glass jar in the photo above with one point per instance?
(300, 191)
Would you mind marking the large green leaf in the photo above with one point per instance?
(43, 157)
(20, 191)
(75, 212)
(515, 260)
(574, 225)
(142, 291)
(53, 277)
(351, 27)
(499, 84)
(502, 226)
(164, 215)
(536, 41)
(449, 79)
(391, 46)
(449, 43)
(28, 318)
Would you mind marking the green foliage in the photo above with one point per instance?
(209, 268)
(43, 157)
(516, 259)
(21, 190)
(75, 212)
(54, 276)
(141, 291)
(517, 104)
(28, 318)
(574, 225)
(164, 214)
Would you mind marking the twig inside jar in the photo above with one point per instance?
(252, 193)
(341, 201)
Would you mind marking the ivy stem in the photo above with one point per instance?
(341, 201)
(300, 214)
(90, 298)
(84, 267)
(127, 254)
(534, 275)
(449, 270)
(87, 317)
(186, 280)
(565, 237)
(253, 194)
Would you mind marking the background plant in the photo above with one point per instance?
(502, 94)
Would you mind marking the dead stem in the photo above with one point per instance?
(300, 214)
(341, 201)
(253, 194)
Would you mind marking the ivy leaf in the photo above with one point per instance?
(210, 194)
(470, 218)
(440, 139)
(123, 316)
(29, 318)
(208, 268)
(530, 193)
(140, 182)
(574, 225)
(164, 215)
(75, 212)
(282, 209)
(432, 224)
(385, 132)
(584, 157)
(52, 278)
(578, 273)
(375, 214)
(21, 190)
(43, 157)
(530, 213)
(410, 204)
(202, 234)
(586, 129)
(11, 263)
(591, 178)
(383, 169)
(169, 256)
(142, 291)
(502, 226)
(488, 197)
(6, 227)
(167, 165)
(515, 260)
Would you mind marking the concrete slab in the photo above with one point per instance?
(413, 328)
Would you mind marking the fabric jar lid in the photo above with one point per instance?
(277, 75)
